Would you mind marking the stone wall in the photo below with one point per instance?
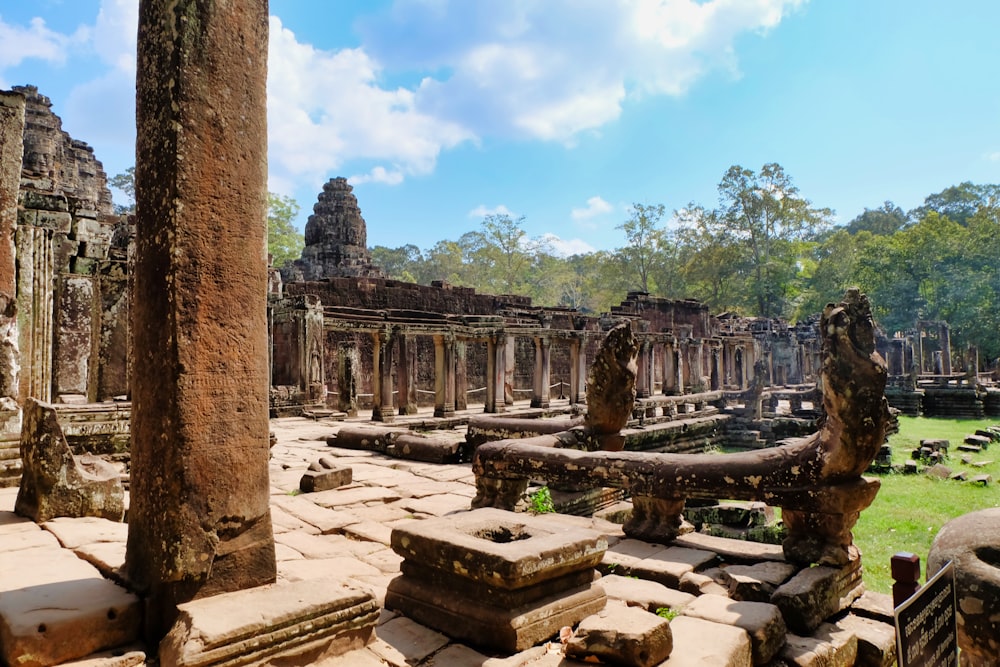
(72, 278)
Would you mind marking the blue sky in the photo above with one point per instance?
(568, 111)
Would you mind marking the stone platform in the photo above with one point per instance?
(346, 532)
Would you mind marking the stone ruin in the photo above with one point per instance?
(199, 452)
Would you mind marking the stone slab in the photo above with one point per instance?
(762, 621)
(326, 520)
(314, 546)
(829, 647)
(402, 641)
(817, 593)
(309, 569)
(128, 656)
(75, 532)
(107, 557)
(324, 480)
(756, 583)
(438, 505)
(371, 531)
(498, 548)
(700, 643)
(345, 497)
(622, 635)
(648, 595)
(283, 622)
(876, 640)
(481, 624)
(55, 607)
(669, 565)
(730, 550)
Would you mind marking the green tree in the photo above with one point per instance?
(503, 253)
(403, 263)
(885, 220)
(767, 217)
(125, 182)
(645, 241)
(959, 202)
(284, 240)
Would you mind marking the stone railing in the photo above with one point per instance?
(816, 481)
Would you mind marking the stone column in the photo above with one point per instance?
(11, 151)
(347, 380)
(510, 370)
(406, 374)
(382, 409)
(944, 339)
(643, 378)
(199, 521)
(577, 371)
(444, 376)
(495, 371)
(540, 395)
(461, 376)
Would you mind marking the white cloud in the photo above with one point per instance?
(566, 247)
(115, 33)
(378, 175)
(482, 211)
(34, 41)
(994, 156)
(595, 206)
(326, 108)
(555, 69)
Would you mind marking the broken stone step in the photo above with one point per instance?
(622, 635)
(975, 449)
(698, 642)
(983, 480)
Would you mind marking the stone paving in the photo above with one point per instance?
(345, 532)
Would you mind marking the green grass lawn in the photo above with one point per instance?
(910, 509)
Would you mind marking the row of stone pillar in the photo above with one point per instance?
(397, 351)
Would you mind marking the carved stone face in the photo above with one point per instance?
(972, 543)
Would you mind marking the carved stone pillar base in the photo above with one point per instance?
(656, 519)
(506, 494)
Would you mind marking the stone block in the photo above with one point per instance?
(482, 623)
(698, 643)
(669, 565)
(401, 641)
(700, 583)
(762, 622)
(42, 201)
(324, 475)
(284, 623)
(622, 635)
(54, 607)
(419, 448)
(498, 548)
(817, 593)
(59, 221)
(876, 640)
(56, 483)
(829, 647)
(756, 583)
(648, 595)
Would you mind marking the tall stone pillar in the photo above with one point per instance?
(496, 365)
(461, 376)
(944, 338)
(540, 395)
(577, 371)
(11, 151)
(382, 409)
(643, 378)
(199, 521)
(406, 374)
(444, 376)
(510, 370)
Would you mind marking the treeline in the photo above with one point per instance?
(765, 250)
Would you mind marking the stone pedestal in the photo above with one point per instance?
(496, 579)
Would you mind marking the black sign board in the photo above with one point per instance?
(925, 624)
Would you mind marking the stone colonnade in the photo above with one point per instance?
(667, 365)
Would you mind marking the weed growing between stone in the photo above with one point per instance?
(540, 502)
